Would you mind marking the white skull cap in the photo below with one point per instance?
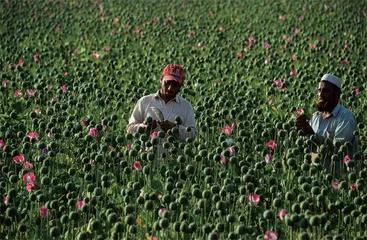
(332, 79)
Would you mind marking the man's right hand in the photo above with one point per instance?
(150, 126)
(302, 124)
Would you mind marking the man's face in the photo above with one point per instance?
(170, 88)
(327, 96)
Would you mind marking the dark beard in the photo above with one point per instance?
(325, 106)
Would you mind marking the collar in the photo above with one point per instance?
(176, 99)
(335, 111)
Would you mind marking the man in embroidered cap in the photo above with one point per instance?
(164, 107)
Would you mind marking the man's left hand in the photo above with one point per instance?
(166, 125)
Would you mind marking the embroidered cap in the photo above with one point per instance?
(332, 79)
(173, 72)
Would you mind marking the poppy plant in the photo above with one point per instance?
(33, 135)
(93, 132)
(43, 211)
(2, 144)
(136, 165)
(282, 214)
(80, 204)
(268, 158)
(29, 187)
(253, 198)
(19, 158)
(29, 177)
(271, 144)
(270, 235)
(227, 130)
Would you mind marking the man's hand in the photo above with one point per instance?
(150, 126)
(302, 124)
(166, 125)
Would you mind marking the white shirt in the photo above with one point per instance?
(176, 107)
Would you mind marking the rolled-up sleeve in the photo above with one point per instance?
(137, 118)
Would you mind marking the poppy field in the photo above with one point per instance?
(72, 71)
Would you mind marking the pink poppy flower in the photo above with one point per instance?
(128, 147)
(161, 211)
(301, 18)
(191, 33)
(220, 28)
(271, 144)
(64, 89)
(211, 13)
(2, 144)
(154, 238)
(93, 132)
(50, 86)
(232, 150)
(19, 159)
(282, 17)
(37, 110)
(284, 46)
(5, 83)
(293, 73)
(154, 135)
(96, 55)
(35, 57)
(106, 48)
(227, 130)
(353, 186)
(278, 83)
(33, 135)
(27, 165)
(268, 158)
(239, 54)
(43, 211)
(91, 161)
(137, 30)
(270, 235)
(344, 62)
(50, 135)
(251, 40)
(5, 200)
(115, 20)
(253, 198)
(80, 204)
(84, 122)
(266, 45)
(29, 187)
(20, 63)
(223, 159)
(18, 93)
(300, 111)
(294, 57)
(267, 61)
(159, 195)
(282, 214)
(346, 159)
(296, 31)
(335, 185)
(136, 165)
(312, 46)
(66, 73)
(29, 177)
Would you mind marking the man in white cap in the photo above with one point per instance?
(332, 120)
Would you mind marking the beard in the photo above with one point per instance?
(326, 106)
